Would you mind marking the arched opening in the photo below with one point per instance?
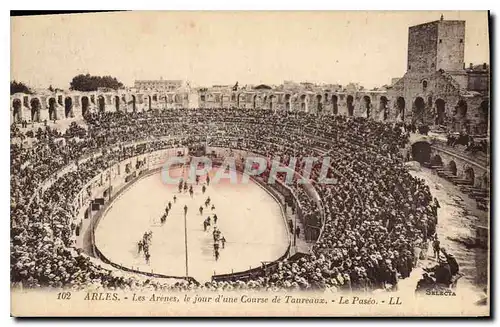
(68, 106)
(401, 105)
(436, 160)
(453, 168)
(335, 104)
(117, 103)
(287, 102)
(484, 109)
(263, 101)
(421, 152)
(440, 111)
(484, 115)
(418, 109)
(271, 100)
(238, 100)
(485, 181)
(367, 103)
(383, 107)
(469, 175)
(350, 106)
(133, 103)
(254, 101)
(303, 106)
(155, 98)
(101, 103)
(222, 100)
(462, 109)
(85, 105)
(319, 105)
(52, 109)
(35, 109)
(149, 102)
(16, 114)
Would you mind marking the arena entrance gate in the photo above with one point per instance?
(421, 152)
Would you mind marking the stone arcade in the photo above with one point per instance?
(437, 89)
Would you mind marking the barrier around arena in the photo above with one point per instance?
(254, 272)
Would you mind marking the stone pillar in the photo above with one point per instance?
(44, 113)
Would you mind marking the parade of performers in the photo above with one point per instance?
(219, 241)
(144, 244)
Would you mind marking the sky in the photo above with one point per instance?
(220, 48)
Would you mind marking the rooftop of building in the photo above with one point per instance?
(441, 20)
(479, 68)
(158, 81)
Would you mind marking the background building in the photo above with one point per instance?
(437, 89)
(160, 85)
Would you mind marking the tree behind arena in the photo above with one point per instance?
(88, 83)
(19, 87)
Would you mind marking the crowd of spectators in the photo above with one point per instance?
(371, 222)
(468, 142)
